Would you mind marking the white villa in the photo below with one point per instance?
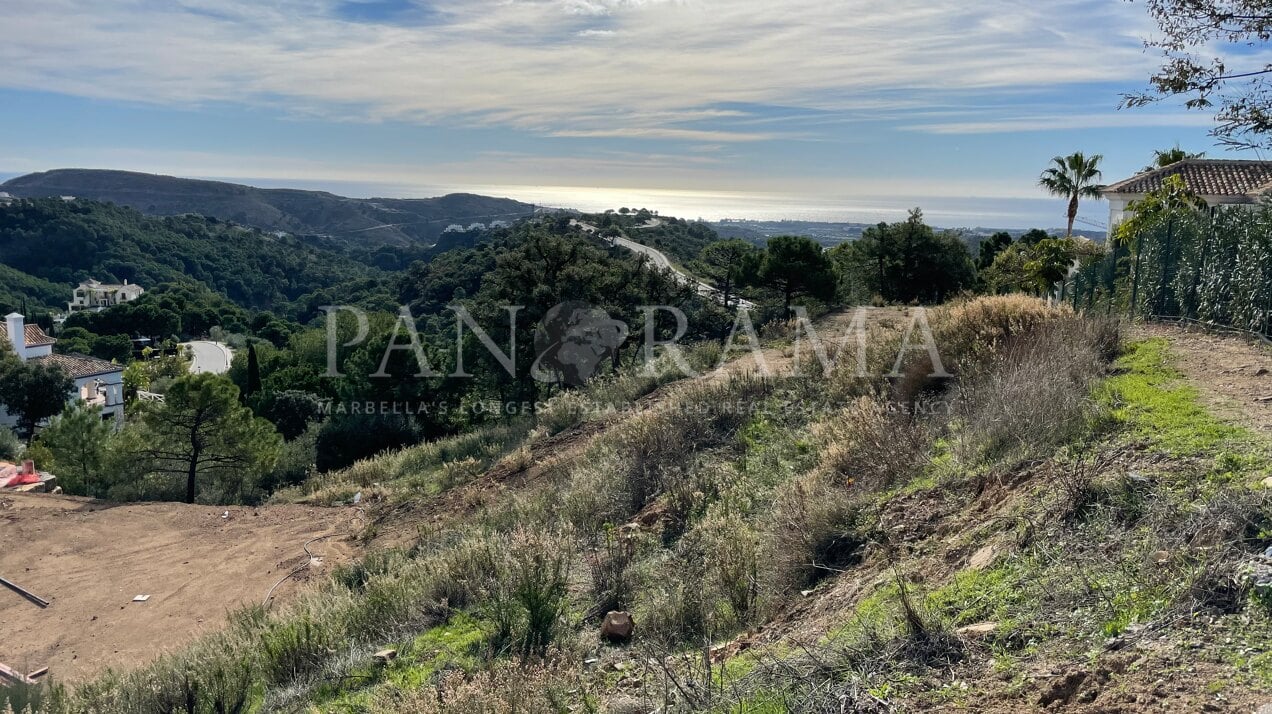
(97, 382)
(96, 296)
(1220, 182)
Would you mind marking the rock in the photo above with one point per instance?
(1159, 557)
(983, 558)
(980, 629)
(1261, 372)
(1267, 482)
(1265, 709)
(385, 656)
(617, 627)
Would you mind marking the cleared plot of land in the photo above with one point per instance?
(90, 559)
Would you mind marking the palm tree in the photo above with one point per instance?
(1074, 176)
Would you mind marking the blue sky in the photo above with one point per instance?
(847, 110)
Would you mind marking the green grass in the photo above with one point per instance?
(460, 644)
(1151, 402)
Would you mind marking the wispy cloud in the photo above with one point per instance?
(1054, 122)
(568, 68)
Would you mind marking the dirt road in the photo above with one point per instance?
(1233, 374)
(91, 559)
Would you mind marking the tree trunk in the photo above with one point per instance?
(1073, 214)
(1139, 253)
(192, 475)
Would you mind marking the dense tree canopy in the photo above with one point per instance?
(904, 262)
(65, 242)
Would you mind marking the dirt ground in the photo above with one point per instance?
(91, 558)
(1233, 374)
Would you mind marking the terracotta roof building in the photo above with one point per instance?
(34, 334)
(97, 382)
(77, 366)
(1220, 182)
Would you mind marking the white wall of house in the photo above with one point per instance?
(105, 391)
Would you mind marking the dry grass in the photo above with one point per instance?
(871, 445)
(1031, 395)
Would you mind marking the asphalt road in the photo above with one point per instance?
(208, 356)
(660, 260)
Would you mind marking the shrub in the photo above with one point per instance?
(609, 563)
(346, 439)
(531, 597)
(1032, 394)
(816, 530)
(869, 446)
(676, 605)
(969, 331)
(10, 446)
(731, 549)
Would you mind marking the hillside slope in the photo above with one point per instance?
(51, 242)
(359, 221)
(1063, 526)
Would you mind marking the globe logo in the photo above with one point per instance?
(572, 342)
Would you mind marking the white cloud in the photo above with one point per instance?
(1061, 121)
(594, 68)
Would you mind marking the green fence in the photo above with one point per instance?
(1212, 266)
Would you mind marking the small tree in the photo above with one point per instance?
(1050, 261)
(80, 441)
(200, 430)
(253, 373)
(795, 266)
(33, 391)
(1008, 273)
(1163, 206)
(723, 263)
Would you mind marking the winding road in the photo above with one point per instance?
(207, 356)
(660, 260)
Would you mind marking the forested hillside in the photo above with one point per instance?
(53, 243)
(354, 221)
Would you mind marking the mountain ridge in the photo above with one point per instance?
(384, 221)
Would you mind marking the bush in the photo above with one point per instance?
(531, 596)
(610, 563)
(869, 446)
(1032, 395)
(296, 461)
(346, 439)
(817, 530)
(10, 445)
(969, 331)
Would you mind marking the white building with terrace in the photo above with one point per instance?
(97, 382)
(92, 295)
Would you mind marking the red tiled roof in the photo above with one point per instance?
(77, 366)
(1241, 180)
(35, 336)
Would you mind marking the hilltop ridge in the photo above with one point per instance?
(389, 221)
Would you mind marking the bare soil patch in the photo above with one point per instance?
(197, 563)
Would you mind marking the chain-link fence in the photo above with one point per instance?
(1213, 266)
